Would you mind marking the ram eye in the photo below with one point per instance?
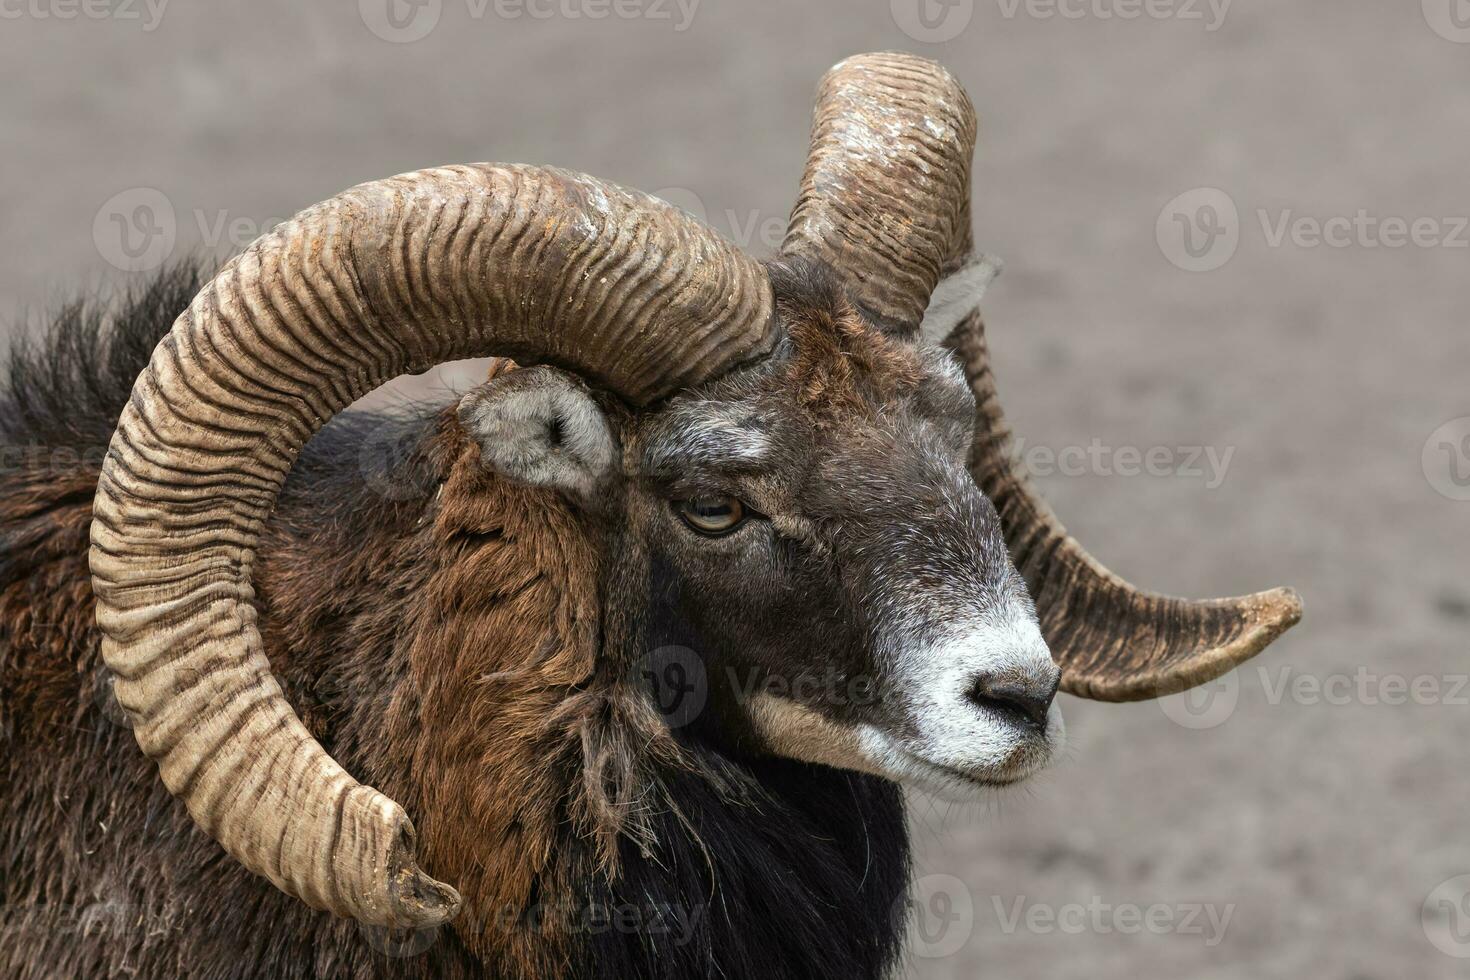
(711, 515)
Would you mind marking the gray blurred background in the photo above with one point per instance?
(1304, 394)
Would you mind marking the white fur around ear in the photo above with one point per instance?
(540, 426)
(957, 295)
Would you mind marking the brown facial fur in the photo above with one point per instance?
(843, 366)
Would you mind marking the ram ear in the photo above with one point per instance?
(541, 427)
(957, 295)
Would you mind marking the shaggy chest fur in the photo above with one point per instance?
(580, 850)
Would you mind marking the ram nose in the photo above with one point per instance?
(1024, 699)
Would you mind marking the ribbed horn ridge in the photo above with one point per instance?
(387, 278)
(1113, 641)
(885, 198)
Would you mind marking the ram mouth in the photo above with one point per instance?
(948, 781)
(798, 732)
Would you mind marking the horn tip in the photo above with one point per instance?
(1264, 617)
(905, 58)
(416, 900)
(1278, 609)
(421, 902)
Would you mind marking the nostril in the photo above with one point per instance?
(1026, 703)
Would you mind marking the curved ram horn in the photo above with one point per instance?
(885, 198)
(387, 278)
(1113, 641)
(885, 201)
